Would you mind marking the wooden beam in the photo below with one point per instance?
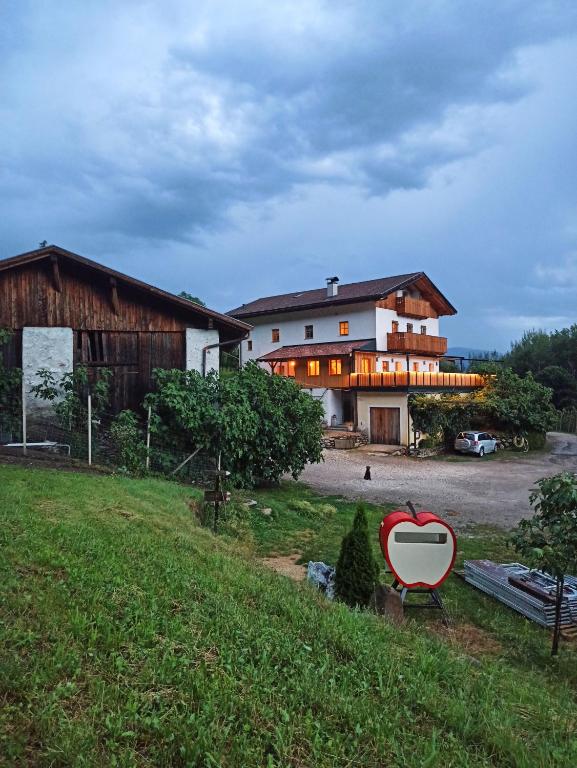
(56, 274)
(114, 296)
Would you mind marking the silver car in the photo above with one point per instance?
(475, 442)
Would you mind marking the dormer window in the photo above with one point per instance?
(275, 334)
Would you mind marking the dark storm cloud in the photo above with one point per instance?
(149, 122)
(158, 136)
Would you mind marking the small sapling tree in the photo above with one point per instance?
(357, 569)
(548, 540)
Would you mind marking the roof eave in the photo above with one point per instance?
(41, 253)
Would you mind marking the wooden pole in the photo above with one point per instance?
(89, 430)
(559, 600)
(24, 447)
(148, 438)
(216, 503)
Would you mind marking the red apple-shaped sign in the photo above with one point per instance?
(420, 551)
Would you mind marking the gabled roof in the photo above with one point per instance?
(319, 350)
(348, 293)
(183, 304)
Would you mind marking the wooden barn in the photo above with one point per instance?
(66, 310)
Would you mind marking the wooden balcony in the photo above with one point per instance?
(416, 343)
(408, 307)
(410, 379)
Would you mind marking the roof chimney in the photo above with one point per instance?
(332, 287)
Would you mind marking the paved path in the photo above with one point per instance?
(494, 492)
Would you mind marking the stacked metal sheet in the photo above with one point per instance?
(531, 593)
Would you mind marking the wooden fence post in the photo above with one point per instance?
(24, 446)
(89, 430)
(148, 438)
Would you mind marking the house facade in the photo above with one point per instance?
(65, 310)
(359, 348)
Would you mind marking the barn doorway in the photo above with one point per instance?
(386, 426)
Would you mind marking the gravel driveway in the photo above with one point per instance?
(494, 492)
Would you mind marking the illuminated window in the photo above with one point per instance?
(275, 334)
(291, 368)
(395, 326)
(398, 366)
(365, 364)
(385, 365)
(431, 367)
(308, 332)
(344, 328)
(335, 367)
(249, 345)
(415, 366)
(409, 327)
(423, 330)
(313, 367)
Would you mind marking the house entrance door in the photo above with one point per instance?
(386, 426)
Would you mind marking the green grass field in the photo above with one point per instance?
(130, 636)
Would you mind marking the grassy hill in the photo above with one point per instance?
(130, 636)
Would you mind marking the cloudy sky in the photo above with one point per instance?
(238, 148)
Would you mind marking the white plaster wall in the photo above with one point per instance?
(196, 340)
(325, 322)
(368, 400)
(384, 325)
(393, 359)
(365, 322)
(49, 348)
(331, 400)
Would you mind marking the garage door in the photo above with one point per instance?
(386, 426)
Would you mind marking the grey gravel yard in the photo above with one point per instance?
(473, 491)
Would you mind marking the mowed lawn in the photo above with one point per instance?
(130, 636)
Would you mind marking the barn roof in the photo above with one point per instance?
(348, 293)
(39, 254)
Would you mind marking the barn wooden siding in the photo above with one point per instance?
(29, 296)
(115, 325)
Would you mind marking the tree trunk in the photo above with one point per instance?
(559, 601)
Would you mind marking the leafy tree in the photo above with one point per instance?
(548, 540)
(69, 392)
(443, 417)
(563, 384)
(533, 353)
(539, 351)
(357, 570)
(517, 403)
(506, 401)
(190, 297)
(128, 438)
(262, 426)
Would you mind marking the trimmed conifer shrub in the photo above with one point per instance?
(357, 570)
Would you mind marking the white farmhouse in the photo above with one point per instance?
(360, 348)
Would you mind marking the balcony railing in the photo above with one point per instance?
(416, 343)
(409, 307)
(416, 379)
